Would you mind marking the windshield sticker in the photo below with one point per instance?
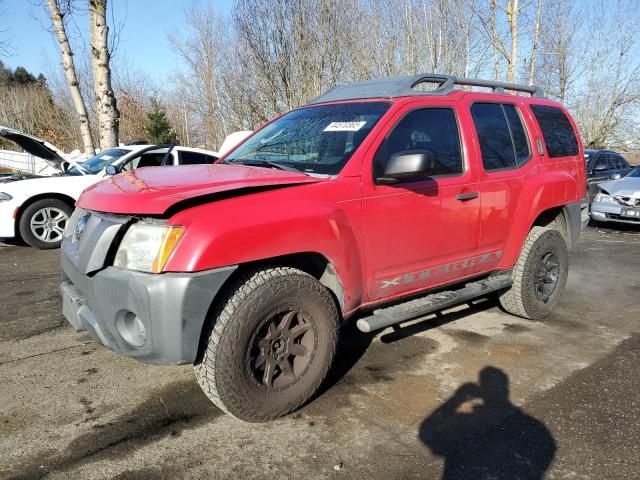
(345, 126)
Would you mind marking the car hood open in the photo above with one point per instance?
(35, 146)
(153, 190)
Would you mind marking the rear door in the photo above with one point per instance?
(504, 151)
(420, 232)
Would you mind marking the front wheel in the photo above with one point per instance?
(43, 222)
(271, 343)
(539, 276)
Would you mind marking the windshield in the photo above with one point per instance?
(96, 164)
(635, 173)
(315, 140)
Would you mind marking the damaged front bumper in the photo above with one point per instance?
(154, 318)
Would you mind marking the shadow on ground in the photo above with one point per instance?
(481, 435)
(167, 412)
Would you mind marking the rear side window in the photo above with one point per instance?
(503, 139)
(195, 158)
(557, 131)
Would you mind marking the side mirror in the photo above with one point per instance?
(111, 170)
(616, 176)
(408, 165)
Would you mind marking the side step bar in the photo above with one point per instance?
(418, 307)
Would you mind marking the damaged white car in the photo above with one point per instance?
(618, 200)
(37, 209)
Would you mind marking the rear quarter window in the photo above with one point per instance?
(557, 131)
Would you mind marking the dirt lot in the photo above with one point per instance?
(559, 399)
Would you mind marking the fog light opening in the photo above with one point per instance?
(598, 214)
(131, 328)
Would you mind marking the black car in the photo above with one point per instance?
(603, 165)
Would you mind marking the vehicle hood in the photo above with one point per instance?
(624, 187)
(153, 190)
(19, 176)
(28, 186)
(35, 146)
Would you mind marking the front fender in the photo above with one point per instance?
(267, 225)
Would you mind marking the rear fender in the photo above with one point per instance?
(540, 193)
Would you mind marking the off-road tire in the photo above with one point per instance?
(223, 369)
(521, 299)
(24, 225)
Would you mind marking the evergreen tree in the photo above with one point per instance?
(158, 126)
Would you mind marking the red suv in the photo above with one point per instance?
(376, 193)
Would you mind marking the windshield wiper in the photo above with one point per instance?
(265, 163)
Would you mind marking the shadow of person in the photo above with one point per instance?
(482, 436)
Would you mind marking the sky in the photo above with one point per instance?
(144, 33)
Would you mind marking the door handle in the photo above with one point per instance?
(467, 196)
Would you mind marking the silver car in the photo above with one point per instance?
(618, 200)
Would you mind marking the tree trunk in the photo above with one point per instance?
(534, 45)
(70, 75)
(512, 17)
(108, 114)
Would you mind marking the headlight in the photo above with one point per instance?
(604, 198)
(146, 247)
(5, 197)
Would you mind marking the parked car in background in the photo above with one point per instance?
(603, 165)
(233, 140)
(618, 200)
(37, 209)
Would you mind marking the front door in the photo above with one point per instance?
(424, 231)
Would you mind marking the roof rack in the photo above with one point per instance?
(389, 87)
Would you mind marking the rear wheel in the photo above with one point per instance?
(539, 276)
(271, 344)
(43, 222)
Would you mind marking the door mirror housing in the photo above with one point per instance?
(408, 165)
(111, 170)
(616, 176)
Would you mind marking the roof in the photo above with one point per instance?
(391, 87)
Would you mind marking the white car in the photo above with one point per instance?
(37, 209)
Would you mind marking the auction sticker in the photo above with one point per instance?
(345, 126)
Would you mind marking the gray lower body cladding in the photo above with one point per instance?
(154, 318)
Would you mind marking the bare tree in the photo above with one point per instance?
(58, 19)
(100, 59)
(505, 42)
(535, 43)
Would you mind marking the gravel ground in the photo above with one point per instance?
(472, 393)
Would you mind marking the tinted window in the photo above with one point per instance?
(151, 159)
(518, 134)
(620, 163)
(431, 130)
(502, 137)
(194, 158)
(602, 163)
(557, 131)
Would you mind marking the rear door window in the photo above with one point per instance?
(503, 139)
(195, 158)
(557, 131)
